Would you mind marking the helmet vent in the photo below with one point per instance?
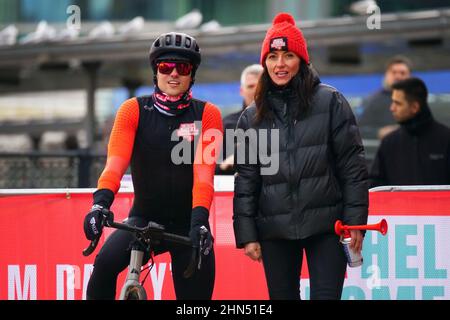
(187, 43)
(178, 40)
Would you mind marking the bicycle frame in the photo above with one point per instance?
(132, 289)
(132, 285)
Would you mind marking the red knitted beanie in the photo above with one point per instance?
(284, 35)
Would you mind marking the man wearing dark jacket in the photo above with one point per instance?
(418, 153)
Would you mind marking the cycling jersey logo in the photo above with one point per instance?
(187, 131)
(146, 107)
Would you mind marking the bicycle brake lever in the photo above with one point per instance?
(108, 217)
(92, 246)
(199, 265)
(200, 247)
(196, 251)
(191, 267)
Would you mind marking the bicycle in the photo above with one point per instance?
(144, 239)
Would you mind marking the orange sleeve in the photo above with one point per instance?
(120, 146)
(208, 150)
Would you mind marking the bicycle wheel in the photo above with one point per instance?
(133, 296)
(135, 293)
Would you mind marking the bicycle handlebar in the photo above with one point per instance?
(153, 231)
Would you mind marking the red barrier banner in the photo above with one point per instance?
(42, 239)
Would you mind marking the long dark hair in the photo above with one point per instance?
(302, 83)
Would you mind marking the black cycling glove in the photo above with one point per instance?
(93, 222)
(200, 230)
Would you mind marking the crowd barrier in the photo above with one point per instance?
(41, 238)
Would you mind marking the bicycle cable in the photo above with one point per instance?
(149, 267)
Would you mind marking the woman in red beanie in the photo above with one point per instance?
(322, 175)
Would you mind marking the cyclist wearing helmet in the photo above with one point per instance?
(171, 141)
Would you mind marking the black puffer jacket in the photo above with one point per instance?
(322, 173)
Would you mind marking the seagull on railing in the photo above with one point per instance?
(67, 34)
(363, 7)
(102, 31)
(191, 20)
(133, 27)
(212, 25)
(44, 32)
(8, 36)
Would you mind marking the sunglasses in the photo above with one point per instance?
(183, 68)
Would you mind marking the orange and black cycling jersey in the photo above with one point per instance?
(169, 176)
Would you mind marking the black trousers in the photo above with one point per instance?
(326, 260)
(114, 257)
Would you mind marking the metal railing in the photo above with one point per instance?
(411, 188)
(74, 169)
(68, 169)
(340, 30)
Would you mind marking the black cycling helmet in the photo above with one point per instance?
(176, 46)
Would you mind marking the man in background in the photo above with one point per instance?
(249, 80)
(376, 120)
(417, 153)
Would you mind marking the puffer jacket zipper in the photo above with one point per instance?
(289, 153)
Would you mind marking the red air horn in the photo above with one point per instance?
(344, 230)
(355, 259)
